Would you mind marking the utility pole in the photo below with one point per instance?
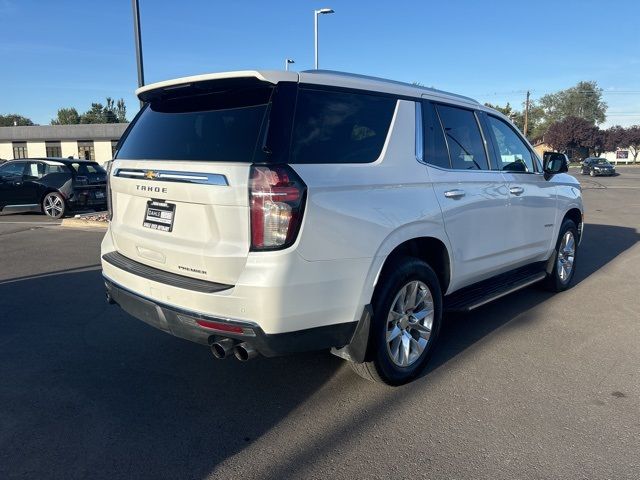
(138, 40)
(526, 114)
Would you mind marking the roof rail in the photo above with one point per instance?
(394, 82)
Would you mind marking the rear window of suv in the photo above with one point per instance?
(215, 126)
(292, 125)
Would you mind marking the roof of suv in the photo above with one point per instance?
(320, 77)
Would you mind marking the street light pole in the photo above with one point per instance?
(138, 41)
(322, 11)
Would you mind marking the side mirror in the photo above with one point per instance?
(555, 163)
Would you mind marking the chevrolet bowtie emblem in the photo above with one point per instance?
(151, 175)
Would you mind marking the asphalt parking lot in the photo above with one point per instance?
(531, 386)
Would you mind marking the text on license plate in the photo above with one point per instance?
(159, 215)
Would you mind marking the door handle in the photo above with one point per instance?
(454, 193)
(516, 190)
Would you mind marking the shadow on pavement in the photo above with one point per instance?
(601, 244)
(87, 391)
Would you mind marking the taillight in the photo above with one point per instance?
(276, 199)
(109, 204)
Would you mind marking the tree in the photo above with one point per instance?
(594, 140)
(94, 115)
(582, 101)
(535, 121)
(507, 111)
(571, 135)
(112, 112)
(11, 119)
(632, 141)
(66, 116)
(615, 138)
(121, 111)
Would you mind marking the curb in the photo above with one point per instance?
(83, 223)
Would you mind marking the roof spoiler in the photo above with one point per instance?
(214, 81)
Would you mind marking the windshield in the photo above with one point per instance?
(214, 126)
(602, 161)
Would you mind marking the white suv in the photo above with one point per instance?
(277, 212)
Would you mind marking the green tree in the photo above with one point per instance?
(11, 119)
(94, 115)
(112, 112)
(121, 111)
(536, 114)
(66, 116)
(584, 100)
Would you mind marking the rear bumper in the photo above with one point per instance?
(87, 198)
(184, 324)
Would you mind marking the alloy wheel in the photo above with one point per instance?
(409, 323)
(566, 256)
(53, 206)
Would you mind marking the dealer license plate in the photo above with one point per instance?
(159, 215)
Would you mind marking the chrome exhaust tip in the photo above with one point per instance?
(222, 348)
(245, 352)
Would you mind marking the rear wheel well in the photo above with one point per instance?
(428, 249)
(576, 216)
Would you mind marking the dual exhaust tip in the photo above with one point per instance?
(224, 348)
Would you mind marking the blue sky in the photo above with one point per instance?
(72, 52)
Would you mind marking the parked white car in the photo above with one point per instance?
(278, 212)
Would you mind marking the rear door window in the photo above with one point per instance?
(462, 132)
(340, 127)
(435, 145)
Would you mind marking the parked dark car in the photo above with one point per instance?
(53, 186)
(597, 166)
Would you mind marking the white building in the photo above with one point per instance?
(89, 141)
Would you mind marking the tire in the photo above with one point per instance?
(560, 278)
(53, 205)
(399, 366)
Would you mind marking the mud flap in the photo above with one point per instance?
(356, 350)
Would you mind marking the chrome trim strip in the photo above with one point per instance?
(173, 176)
